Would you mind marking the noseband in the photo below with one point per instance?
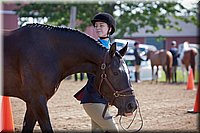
(116, 93)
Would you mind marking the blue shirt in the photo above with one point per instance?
(90, 93)
(105, 43)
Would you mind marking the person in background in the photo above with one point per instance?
(138, 60)
(175, 55)
(93, 103)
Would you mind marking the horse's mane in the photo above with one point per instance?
(65, 29)
(61, 28)
(55, 28)
(50, 27)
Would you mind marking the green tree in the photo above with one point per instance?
(130, 16)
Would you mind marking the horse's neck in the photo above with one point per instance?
(87, 57)
(90, 63)
(91, 58)
(153, 53)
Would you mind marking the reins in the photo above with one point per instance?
(141, 119)
(120, 119)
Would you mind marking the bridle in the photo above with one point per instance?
(116, 93)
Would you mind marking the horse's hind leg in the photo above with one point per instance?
(29, 120)
(166, 75)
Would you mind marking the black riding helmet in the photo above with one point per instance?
(107, 18)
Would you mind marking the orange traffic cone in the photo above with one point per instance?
(197, 102)
(190, 83)
(7, 124)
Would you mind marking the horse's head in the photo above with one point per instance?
(149, 53)
(112, 80)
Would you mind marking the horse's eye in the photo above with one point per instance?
(115, 73)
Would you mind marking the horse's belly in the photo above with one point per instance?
(157, 63)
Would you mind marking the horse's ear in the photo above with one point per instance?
(112, 49)
(123, 50)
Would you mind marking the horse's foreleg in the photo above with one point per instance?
(157, 74)
(40, 111)
(29, 120)
(152, 73)
(183, 72)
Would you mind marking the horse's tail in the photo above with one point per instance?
(169, 65)
(192, 60)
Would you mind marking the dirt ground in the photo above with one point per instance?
(163, 108)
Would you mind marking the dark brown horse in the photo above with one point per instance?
(188, 59)
(161, 58)
(38, 57)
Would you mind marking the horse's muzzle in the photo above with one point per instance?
(130, 108)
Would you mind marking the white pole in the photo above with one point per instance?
(72, 23)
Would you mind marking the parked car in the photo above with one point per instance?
(143, 47)
(122, 42)
(146, 72)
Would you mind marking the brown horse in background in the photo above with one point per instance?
(163, 58)
(188, 59)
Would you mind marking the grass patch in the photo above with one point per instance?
(180, 77)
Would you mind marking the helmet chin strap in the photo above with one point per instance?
(104, 37)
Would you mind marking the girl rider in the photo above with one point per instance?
(93, 103)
